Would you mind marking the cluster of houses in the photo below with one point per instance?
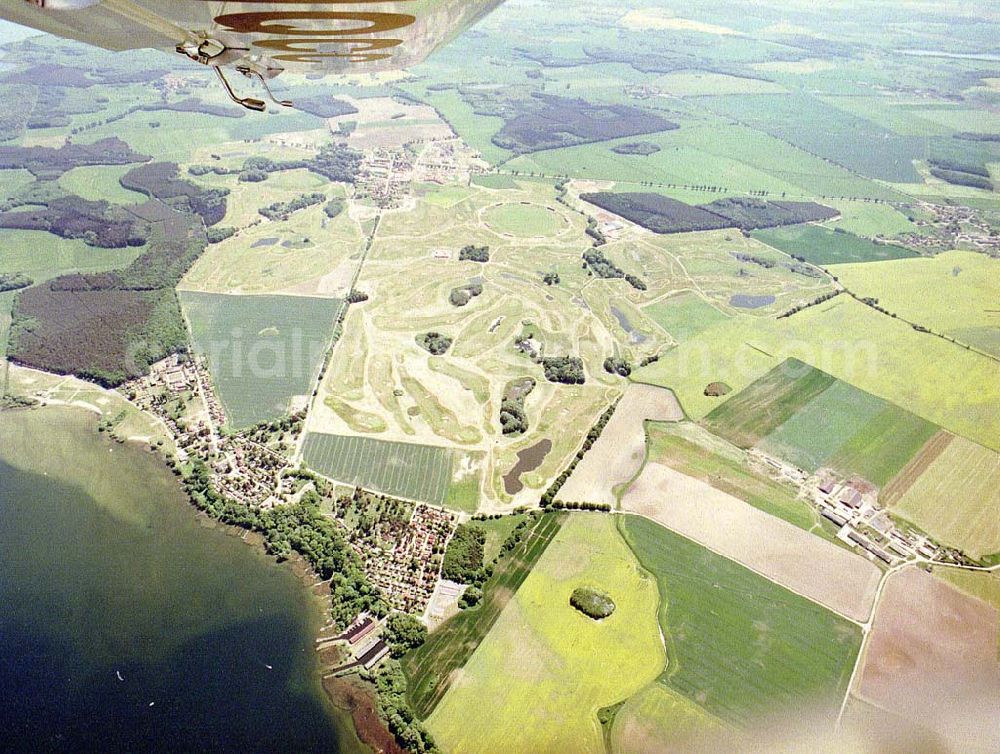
(447, 161)
(384, 177)
(248, 472)
(852, 505)
(407, 570)
(954, 227)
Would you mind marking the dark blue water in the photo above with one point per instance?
(105, 572)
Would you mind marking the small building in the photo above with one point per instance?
(360, 630)
(851, 498)
(838, 520)
(371, 658)
(827, 486)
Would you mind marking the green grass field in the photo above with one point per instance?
(699, 454)
(659, 719)
(769, 402)
(817, 429)
(100, 182)
(419, 472)
(42, 256)
(822, 246)
(805, 416)
(433, 667)
(538, 678)
(262, 350)
(684, 316)
(738, 644)
(884, 445)
(523, 220)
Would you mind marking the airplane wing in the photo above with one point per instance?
(261, 38)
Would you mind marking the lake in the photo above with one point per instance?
(129, 623)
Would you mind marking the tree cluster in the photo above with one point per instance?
(463, 294)
(284, 210)
(472, 253)
(12, 281)
(617, 365)
(463, 560)
(600, 265)
(403, 632)
(434, 342)
(394, 708)
(565, 369)
(551, 278)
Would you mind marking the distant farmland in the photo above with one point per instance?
(420, 472)
(951, 490)
(262, 350)
(821, 246)
(739, 644)
(811, 419)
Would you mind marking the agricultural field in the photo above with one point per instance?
(701, 83)
(438, 663)
(661, 719)
(951, 490)
(821, 246)
(851, 342)
(548, 668)
(620, 451)
(953, 293)
(803, 562)
(739, 645)
(767, 403)
(264, 352)
(408, 470)
(695, 452)
(811, 419)
(928, 636)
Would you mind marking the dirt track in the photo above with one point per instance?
(813, 567)
(618, 453)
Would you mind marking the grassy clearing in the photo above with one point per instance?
(684, 316)
(419, 472)
(100, 182)
(433, 667)
(852, 342)
(739, 645)
(769, 402)
(494, 181)
(696, 453)
(869, 220)
(42, 256)
(957, 498)
(547, 668)
(262, 351)
(822, 246)
(732, 156)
